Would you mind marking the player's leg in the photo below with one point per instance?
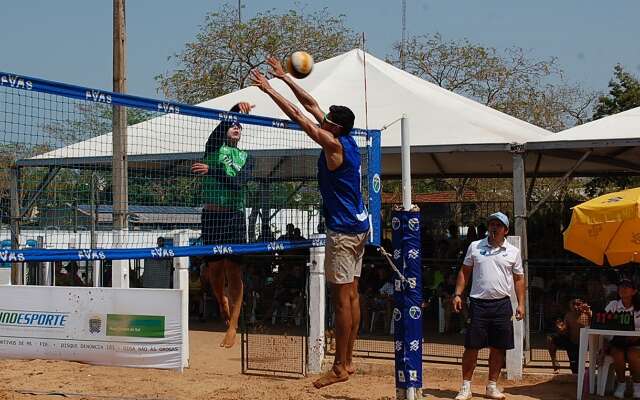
(339, 272)
(355, 324)
(233, 271)
(354, 252)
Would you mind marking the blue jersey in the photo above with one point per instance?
(344, 209)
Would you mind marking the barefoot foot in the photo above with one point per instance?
(334, 375)
(350, 368)
(229, 338)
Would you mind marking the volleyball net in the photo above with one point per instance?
(57, 182)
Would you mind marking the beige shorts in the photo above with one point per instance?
(343, 256)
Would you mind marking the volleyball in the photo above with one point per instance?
(300, 64)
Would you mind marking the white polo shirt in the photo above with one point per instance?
(493, 269)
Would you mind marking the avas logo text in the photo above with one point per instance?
(15, 82)
(91, 255)
(97, 96)
(10, 256)
(160, 252)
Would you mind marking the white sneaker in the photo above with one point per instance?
(465, 393)
(494, 393)
(620, 389)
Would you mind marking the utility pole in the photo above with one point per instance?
(239, 12)
(119, 268)
(119, 122)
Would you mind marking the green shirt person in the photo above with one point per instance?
(225, 171)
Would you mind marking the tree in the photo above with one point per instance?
(624, 94)
(219, 60)
(509, 81)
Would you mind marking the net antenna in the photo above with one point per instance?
(364, 67)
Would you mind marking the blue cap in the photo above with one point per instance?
(500, 217)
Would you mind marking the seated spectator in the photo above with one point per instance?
(71, 277)
(567, 336)
(625, 349)
(289, 234)
(383, 302)
(297, 234)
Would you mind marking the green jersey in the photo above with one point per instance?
(219, 186)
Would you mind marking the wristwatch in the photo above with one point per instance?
(457, 295)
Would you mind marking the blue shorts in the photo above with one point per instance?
(491, 324)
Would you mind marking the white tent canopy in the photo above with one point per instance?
(440, 122)
(613, 143)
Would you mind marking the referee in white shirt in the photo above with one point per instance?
(494, 267)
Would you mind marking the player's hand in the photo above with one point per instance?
(200, 168)
(457, 303)
(245, 107)
(520, 312)
(260, 81)
(276, 67)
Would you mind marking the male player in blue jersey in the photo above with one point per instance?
(346, 218)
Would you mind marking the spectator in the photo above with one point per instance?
(383, 301)
(289, 234)
(624, 349)
(567, 336)
(71, 277)
(297, 234)
(158, 271)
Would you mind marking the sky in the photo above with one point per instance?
(71, 40)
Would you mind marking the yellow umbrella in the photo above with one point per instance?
(607, 225)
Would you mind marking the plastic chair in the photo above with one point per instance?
(605, 378)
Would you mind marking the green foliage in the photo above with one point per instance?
(219, 60)
(510, 81)
(624, 94)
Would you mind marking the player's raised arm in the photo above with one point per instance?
(308, 102)
(324, 138)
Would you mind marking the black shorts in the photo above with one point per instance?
(227, 227)
(563, 342)
(491, 324)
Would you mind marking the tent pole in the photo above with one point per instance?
(520, 229)
(406, 163)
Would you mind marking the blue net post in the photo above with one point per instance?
(407, 313)
(375, 185)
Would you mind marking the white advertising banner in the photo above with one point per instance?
(107, 326)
